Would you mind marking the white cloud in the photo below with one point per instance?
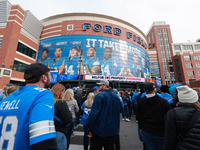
(182, 16)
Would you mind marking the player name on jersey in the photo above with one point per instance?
(7, 105)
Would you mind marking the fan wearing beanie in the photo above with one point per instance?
(183, 122)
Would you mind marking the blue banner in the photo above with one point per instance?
(54, 76)
(158, 82)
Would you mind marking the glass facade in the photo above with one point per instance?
(198, 65)
(1, 38)
(196, 57)
(190, 73)
(178, 71)
(26, 50)
(177, 47)
(187, 57)
(198, 72)
(165, 70)
(187, 47)
(188, 65)
(197, 47)
(154, 68)
(19, 66)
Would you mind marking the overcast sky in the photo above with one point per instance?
(181, 15)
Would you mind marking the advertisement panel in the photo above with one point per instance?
(93, 55)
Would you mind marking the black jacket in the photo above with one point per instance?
(63, 113)
(177, 135)
(151, 114)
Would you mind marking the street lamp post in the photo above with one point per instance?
(79, 72)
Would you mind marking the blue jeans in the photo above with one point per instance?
(125, 112)
(153, 142)
(61, 140)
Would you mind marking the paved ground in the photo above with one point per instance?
(128, 137)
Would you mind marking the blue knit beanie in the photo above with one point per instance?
(172, 89)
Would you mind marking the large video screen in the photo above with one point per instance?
(93, 55)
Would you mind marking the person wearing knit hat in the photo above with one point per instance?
(183, 121)
(172, 89)
(173, 92)
(187, 95)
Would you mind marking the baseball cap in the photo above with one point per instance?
(149, 87)
(115, 91)
(103, 82)
(74, 89)
(95, 88)
(35, 70)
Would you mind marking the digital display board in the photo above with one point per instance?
(93, 55)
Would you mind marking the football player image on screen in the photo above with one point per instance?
(92, 65)
(124, 69)
(108, 65)
(72, 63)
(45, 54)
(57, 63)
(145, 69)
(136, 66)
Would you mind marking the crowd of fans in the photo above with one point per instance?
(167, 119)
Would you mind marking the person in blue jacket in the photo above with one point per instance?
(86, 108)
(117, 142)
(165, 94)
(104, 119)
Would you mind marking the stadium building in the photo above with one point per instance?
(79, 48)
(93, 47)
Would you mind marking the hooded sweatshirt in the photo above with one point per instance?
(151, 114)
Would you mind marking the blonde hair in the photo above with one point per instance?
(57, 90)
(89, 101)
(196, 105)
(9, 89)
(68, 95)
(12, 89)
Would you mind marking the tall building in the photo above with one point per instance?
(160, 52)
(19, 40)
(186, 61)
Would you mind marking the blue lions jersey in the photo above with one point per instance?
(26, 118)
(109, 67)
(168, 97)
(71, 66)
(55, 65)
(45, 62)
(91, 63)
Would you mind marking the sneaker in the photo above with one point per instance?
(127, 119)
(122, 118)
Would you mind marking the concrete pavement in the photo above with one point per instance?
(128, 137)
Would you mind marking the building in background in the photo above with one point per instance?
(160, 52)
(19, 41)
(109, 48)
(186, 58)
(64, 43)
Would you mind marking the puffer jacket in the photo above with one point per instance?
(177, 134)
